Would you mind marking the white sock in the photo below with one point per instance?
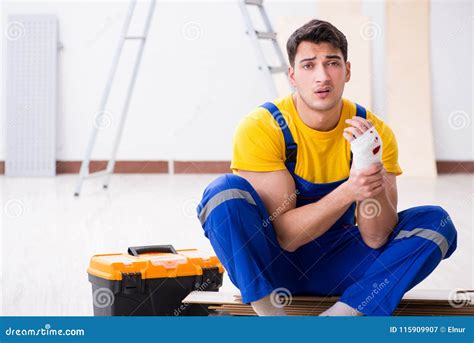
(341, 309)
(366, 149)
(264, 307)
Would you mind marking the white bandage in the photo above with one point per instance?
(366, 149)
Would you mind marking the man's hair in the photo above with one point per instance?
(316, 31)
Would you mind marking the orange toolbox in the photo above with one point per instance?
(152, 281)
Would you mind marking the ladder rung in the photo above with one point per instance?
(281, 69)
(254, 2)
(135, 37)
(266, 35)
(97, 174)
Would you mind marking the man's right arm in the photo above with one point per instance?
(296, 226)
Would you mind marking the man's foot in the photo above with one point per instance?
(265, 307)
(341, 309)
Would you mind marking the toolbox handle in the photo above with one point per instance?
(135, 251)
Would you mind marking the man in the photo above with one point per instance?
(306, 169)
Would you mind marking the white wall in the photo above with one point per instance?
(452, 77)
(199, 76)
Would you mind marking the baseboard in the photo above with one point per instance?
(205, 167)
(201, 167)
(455, 167)
(143, 167)
(121, 167)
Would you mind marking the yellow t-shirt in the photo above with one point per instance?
(323, 156)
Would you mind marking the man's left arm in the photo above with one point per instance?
(377, 216)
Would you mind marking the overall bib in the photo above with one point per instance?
(373, 281)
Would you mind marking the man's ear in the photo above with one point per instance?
(291, 75)
(348, 71)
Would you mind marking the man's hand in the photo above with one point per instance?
(366, 183)
(357, 127)
(366, 144)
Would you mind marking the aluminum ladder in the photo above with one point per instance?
(84, 172)
(256, 36)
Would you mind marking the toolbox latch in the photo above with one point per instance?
(132, 283)
(211, 279)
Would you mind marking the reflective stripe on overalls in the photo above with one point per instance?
(338, 262)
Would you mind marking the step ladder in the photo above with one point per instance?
(256, 36)
(124, 37)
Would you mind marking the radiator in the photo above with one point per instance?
(31, 67)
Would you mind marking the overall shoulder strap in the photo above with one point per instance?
(360, 112)
(290, 145)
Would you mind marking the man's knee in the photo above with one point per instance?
(431, 223)
(225, 182)
(447, 229)
(225, 188)
(441, 222)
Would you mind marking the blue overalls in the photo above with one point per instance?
(373, 281)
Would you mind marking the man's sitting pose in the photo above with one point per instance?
(311, 205)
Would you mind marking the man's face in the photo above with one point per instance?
(319, 75)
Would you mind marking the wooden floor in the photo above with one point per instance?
(48, 235)
(418, 303)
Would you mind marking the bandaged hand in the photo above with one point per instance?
(366, 145)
